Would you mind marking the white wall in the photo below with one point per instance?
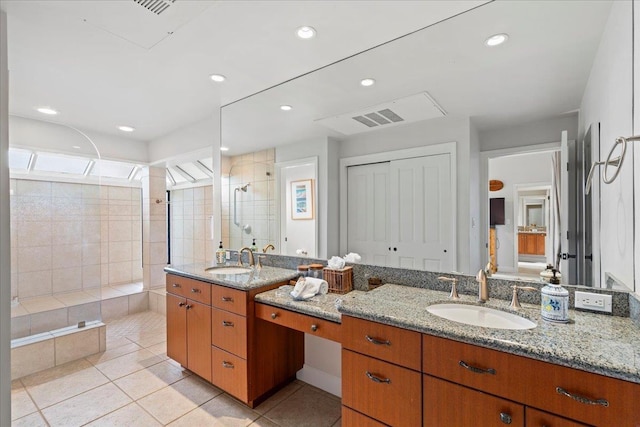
(512, 171)
(300, 234)
(5, 238)
(60, 138)
(537, 132)
(423, 133)
(608, 99)
(204, 134)
(636, 130)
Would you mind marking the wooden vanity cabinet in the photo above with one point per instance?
(536, 418)
(531, 243)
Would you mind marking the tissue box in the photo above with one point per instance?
(340, 281)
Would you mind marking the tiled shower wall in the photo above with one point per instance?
(256, 207)
(69, 237)
(191, 211)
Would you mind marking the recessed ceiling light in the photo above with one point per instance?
(496, 39)
(126, 128)
(47, 110)
(77, 147)
(306, 32)
(367, 82)
(218, 78)
(223, 148)
(286, 107)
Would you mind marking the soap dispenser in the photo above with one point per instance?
(555, 300)
(221, 254)
(254, 247)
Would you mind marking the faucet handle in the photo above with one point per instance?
(515, 304)
(240, 259)
(259, 263)
(454, 290)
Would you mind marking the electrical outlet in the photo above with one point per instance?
(595, 302)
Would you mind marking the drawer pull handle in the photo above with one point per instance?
(189, 306)
(182, 304)
(274, 315)
(227, 323)
(377, 379)
(176, 285)
(314, 328)
(227, 364)
(195, 290)
(505, 418)
(227, 299)
(377, 341)
(582, 399)
(476, 370)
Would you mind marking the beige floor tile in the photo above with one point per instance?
(220, 411)
(147, 381)
(263, 422)
(126, 348)
(59, 389)
(184, 395)
(21, 403)
(159, 349)
(147, 339)
(37, 305)
(277, 398)
(32, 420)
(338, 423)
(128, 364)
(86, 407)
(75, 298)
(114, 342)
(130, 415)
(307, 407)
(54, 373)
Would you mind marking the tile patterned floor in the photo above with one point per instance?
(133, 383)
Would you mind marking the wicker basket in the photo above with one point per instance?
(340, 281)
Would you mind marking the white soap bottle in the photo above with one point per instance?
(555, 301)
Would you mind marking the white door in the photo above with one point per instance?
(400, 213)
(368, 212)
(564, 206)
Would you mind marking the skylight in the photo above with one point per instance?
(112, 169)
(47, 162)
(19, 159)
(193, 170)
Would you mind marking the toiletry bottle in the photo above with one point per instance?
(221, 254)
(555, 301)
(254, 248)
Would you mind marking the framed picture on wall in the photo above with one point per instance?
(302, 199)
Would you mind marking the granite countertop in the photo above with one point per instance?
(322, 306)
(607, 345)
(257, 278)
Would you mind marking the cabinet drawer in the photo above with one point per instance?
(351, 418)
(189, 288)
(537, 418)
(229, 372)
(300, 322)
(381, 390)
(385, 342)
(477, 367)
(229, 332)
(581, 396)
(232, 300)
(448, 404)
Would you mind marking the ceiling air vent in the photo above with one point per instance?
(404, 110)
(155, 6)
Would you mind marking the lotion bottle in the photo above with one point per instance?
(555, 301)
(221, 255)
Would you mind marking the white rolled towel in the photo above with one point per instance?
(307, 287)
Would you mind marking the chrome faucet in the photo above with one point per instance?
(266, 248)
(483, 292)
(251, 259)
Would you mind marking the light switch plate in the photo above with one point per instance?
(591, 301)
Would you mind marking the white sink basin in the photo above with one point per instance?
(228, 270)
(480, 316)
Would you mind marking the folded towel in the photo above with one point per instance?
(352, 257)
(336, 263)
(307, 287)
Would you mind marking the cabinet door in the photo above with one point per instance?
(199, 339)
(177, 329)
(537, 418)
(522, 243)
(448, 404)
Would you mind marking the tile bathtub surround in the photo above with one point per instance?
(72, 237)
(467, 285)
(133, 382)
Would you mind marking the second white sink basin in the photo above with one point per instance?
(228, 270)
(480, 316)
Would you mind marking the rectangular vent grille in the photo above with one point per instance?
(155, 6)
(378, 118)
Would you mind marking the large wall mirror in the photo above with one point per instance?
(398, 169)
